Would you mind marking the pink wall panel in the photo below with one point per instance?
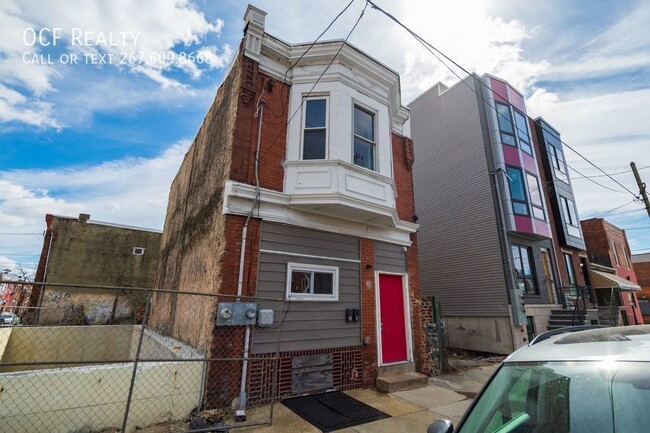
(541, 228)
(511, 155)
(524, 224)
(499, 90)
(529, 163)
(516, 100)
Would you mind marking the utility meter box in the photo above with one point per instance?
(265, 318)
(236, 313)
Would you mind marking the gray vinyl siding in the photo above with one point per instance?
(307, 325)
(458, 241)
(390, 258)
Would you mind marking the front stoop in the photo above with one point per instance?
(401, 382)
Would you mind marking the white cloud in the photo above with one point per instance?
(130, 191)
(157, 36)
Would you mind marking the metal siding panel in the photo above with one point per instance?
(458, 241)
(307, 325)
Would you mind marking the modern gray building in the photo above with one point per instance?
(486, 242)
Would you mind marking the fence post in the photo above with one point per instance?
(135, 363)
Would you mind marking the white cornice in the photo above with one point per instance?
(285, 208)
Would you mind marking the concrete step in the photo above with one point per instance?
(562, 312)
(401, 382)
(393, 370)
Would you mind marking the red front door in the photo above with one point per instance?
(391, 316)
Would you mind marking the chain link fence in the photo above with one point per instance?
(170, 362)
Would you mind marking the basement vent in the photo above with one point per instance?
(138, 251)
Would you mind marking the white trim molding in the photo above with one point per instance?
(407, 318)
(310, 296)
(327, 212)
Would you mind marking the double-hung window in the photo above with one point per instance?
(364, 138)
(314, 141)
(312, 282)
(570, 217)
(523, 265)
(517, 191)
(505, 124)
(521, 124)
(535, 196)
(626, 256)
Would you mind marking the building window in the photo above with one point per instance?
(138, 251)
(364, 138)
(517, 191)
(535, 196)
(554, 149)
(626, 256)
(570, 270)
(505, 124)
(613, 245)
(524, 274)
(570, 217)
(314, 141)
(312, 282)
(522, 132)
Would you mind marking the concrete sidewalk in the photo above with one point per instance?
(445, 396)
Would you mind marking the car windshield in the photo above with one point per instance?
(563, 397)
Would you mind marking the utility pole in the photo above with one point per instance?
(642, 190)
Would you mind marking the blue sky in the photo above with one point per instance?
(107, 139)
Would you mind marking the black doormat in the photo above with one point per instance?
(333, 410)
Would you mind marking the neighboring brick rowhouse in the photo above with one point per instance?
(368, 312)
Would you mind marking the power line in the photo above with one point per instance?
(627, 212)
(601, 214)
(21, 234)
(430, 47)
(591, 180)
(319, 78)
(638, 228)
(612, 174)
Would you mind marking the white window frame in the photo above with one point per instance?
(138, 251)
(616, 259)
(304, 267)
(572, 227)
(327, 129)
(375, 153)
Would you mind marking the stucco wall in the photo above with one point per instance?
(93, 397)
(483, 334)
(96, 254)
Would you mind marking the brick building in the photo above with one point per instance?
(298, 187)
(613, 276)
(641, 264)
(80, 251)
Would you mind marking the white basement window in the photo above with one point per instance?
(138, 251)
(312, 282)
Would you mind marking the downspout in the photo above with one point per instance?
(240, 279)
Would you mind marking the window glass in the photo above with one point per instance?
(517, 191)
(505, 124)
(568, 262)
(364, 138)
(522, 132)
(563, 397)
(312, 282)
(535, 196)
(315, 129)
(504, 119)
(523, 266)
(613, 245)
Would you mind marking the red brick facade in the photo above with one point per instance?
(368, 312)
